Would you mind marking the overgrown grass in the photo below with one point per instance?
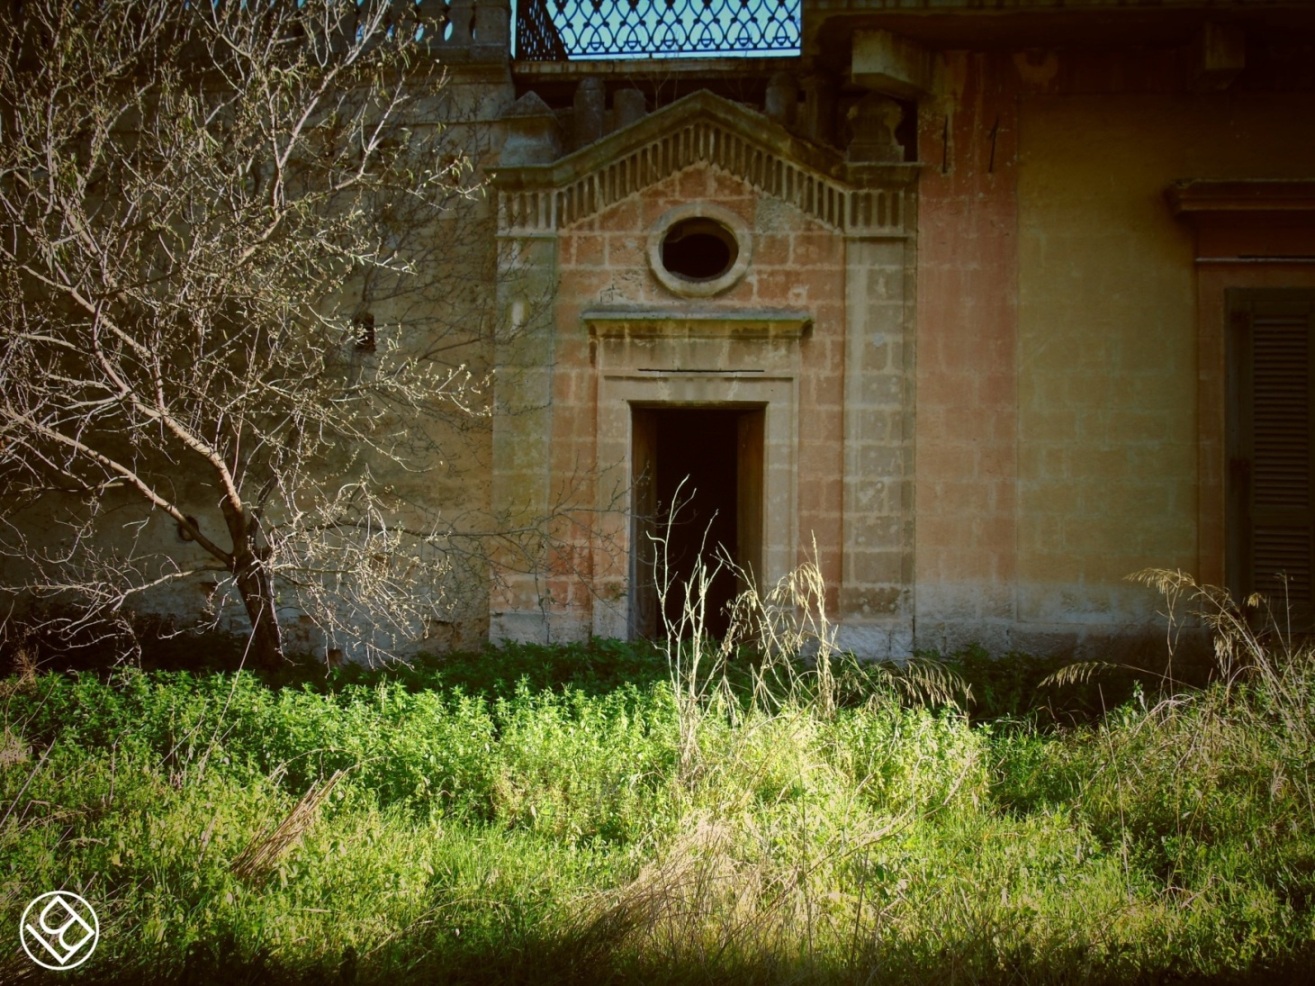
(453, 823)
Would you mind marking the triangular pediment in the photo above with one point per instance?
(703, 128)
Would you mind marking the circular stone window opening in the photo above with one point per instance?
(699, 250)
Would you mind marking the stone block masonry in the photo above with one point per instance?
(813, 334)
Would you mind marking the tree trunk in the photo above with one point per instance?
(256, 587)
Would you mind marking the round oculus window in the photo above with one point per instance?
(697, 251)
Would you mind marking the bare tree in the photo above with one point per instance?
(198, 204)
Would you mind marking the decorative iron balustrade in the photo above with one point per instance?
(555, 30)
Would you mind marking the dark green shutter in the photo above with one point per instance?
(1274, 437)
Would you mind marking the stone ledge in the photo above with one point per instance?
(662, 69)
(735, 324)
(1192, 197)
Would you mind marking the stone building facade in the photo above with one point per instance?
(984, 306)
(1005, 310)
(796, 347)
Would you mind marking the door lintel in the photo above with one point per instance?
(705, 324)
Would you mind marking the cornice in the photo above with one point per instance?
(703, 128)
(1238, 221)
(1197, 197)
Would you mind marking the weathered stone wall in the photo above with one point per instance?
(445, 311)
(796, 265)
(1110, 395)
(966, 427)
(1068, 417)
(812, 328)
(986, 402)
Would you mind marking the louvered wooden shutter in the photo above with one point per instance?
(1276, 439)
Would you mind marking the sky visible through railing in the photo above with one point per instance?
(598, 29)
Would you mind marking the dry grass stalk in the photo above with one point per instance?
(788, 626)
(264, 852)
(696, 905)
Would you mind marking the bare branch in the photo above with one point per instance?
(195, 203)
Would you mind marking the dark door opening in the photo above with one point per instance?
(698, 490)
(1270, 484)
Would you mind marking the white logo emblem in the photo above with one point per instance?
(59, 930)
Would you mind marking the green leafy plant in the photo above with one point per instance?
(541, 827)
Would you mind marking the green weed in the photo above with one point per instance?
(440, 823)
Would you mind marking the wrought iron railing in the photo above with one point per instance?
(554, 30)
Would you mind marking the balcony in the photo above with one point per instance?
(561, 30)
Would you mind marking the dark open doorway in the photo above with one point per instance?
(706, 463)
